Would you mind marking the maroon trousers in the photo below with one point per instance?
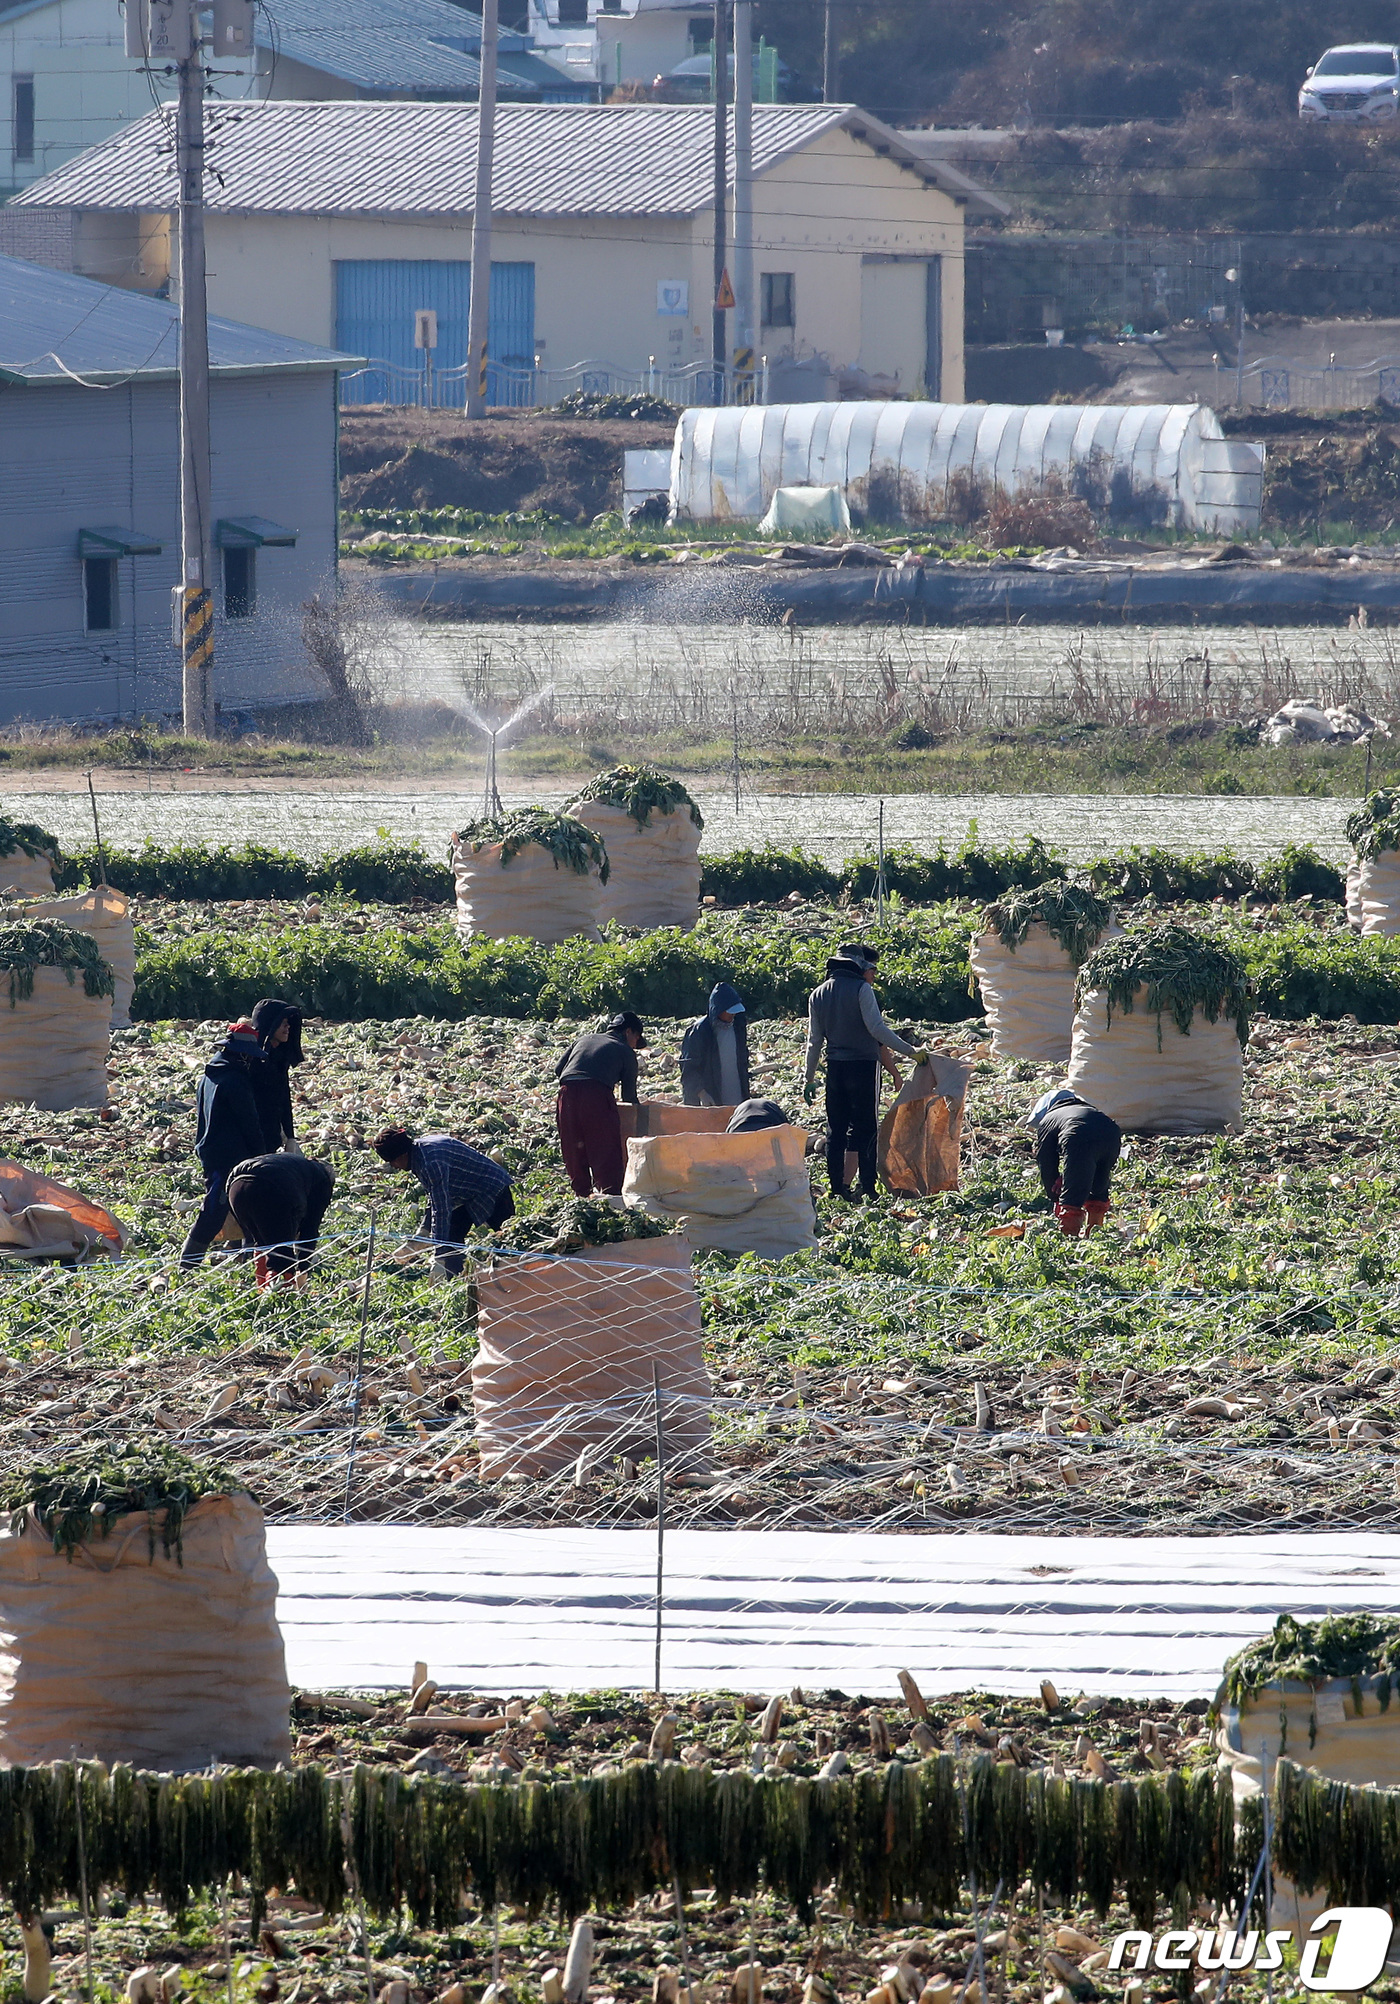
(590, 1136)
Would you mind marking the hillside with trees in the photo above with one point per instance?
(957, 62)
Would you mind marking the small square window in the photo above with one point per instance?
(573, 13)
(99, 594)
(779, 309)
(240, 584)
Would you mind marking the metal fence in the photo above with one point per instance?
(1277, 383)
(512, 388)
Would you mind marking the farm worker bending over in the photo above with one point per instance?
(464, 1187)
(751, 1116)
(715, 1052)
(844, 1015)
(279, 1202)
(590, 1132)
(228, 1129)
(1076, 1148)
(278, 1027)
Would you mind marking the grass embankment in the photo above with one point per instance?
(370, 964)
(1061, 753)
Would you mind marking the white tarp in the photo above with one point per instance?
(494, 1608)
(805, 511)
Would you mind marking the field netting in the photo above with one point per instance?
(854, 1401)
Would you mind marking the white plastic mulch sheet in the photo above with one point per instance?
(501, 1609)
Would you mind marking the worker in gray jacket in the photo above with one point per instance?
(844, 1016)
(715, 1052)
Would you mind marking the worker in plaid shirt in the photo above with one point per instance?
(464, 1187)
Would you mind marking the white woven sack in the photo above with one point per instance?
(530, 897)
(114, 1655)
(1353, 895)
(736, 1192)
(105, 915)
(31, 876)
(1192, 1085)
(1378, 889)
(1027, 993)
(565, 1349)
(54, 1043)
(1320, 1727)
(654, 872)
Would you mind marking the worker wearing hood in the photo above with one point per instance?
(228, 1129)
(277, 1026)
(715, 1052)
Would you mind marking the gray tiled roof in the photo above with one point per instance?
(353, 158)
(392, 45)
(54, 326)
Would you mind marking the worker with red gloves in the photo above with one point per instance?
(1076, 1149)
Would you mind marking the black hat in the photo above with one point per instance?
(628, 1019)
(856, 949)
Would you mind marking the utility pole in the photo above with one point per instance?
(745, 329)
(197, 599)
(479, 309)
(720, 343)
(164, 36)
(828, 59)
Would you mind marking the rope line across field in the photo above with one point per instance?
(524, 1395)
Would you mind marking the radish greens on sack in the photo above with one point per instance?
(1071, 913)
(641, 790)
(79, 1498)
(572, 846)
(1374, 828)
(26, 944)
(1177, 969)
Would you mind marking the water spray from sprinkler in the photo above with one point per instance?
(494, 735)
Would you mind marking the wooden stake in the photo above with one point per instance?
(660, 1523)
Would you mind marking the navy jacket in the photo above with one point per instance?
(229, 1125)
(272, 1084)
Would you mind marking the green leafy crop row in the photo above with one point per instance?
(1296, 970)
(388, 873)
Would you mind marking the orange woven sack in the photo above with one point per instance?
(920, 1138)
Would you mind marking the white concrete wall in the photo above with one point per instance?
(820, 214)
(653, 40)
(111, 458)
(84, 86)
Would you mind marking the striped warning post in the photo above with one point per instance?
(198, 650)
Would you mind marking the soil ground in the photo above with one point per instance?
(439, 459)
(210, 1955)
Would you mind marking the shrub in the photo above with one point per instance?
(1295, 971)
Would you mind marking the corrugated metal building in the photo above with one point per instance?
(333, 221)
(90, 509)
(67, 83)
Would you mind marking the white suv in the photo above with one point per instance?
(1359, 80)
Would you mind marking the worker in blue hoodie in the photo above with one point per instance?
(229, 1129)
(715, 1052)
